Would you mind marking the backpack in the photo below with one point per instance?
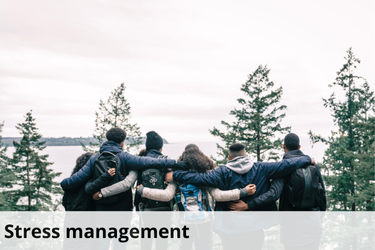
(194, 202)
(304, 189)
(105, 161)
(154, 178)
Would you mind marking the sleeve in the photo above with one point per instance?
(275, 170)
(120, 186)
(272, 195)
(78, 179)
(213, 178)
(141, 162)
(94, 186)
(323, 202)
(220, 195)
(160, 194)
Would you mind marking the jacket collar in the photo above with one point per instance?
(292, 154)
(153, 153)
(111, 146)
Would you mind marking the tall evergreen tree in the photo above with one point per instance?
(349, 160)
(34, 176)
(6, 177)
(114, 113)
(258, 121)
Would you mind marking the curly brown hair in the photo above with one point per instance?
(81, 161)
(143, 152)
(197, 160)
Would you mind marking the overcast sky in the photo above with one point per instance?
(183, 62)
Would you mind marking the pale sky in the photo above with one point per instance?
(183, 62)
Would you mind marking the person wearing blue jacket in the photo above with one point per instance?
(115, 144)
(239, 172)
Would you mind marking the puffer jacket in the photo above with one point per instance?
(240, 172)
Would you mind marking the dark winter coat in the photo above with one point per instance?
(240, 172)
(78, 200)
(284, 204)
(128, 162)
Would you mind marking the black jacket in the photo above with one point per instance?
(269, 197)
(153, 153)
(284, 204)
(77, 200)
(128, 162)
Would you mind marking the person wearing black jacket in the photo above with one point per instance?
(278, 189)
(76, 199)
(116, 141)
(298, 231)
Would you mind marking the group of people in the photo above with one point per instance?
(104, 181)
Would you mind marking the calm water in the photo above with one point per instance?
(64, 157)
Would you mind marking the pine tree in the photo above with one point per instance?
(257, 122)
(349, 160)
(34, 177)
(7, 177)
(114, 113)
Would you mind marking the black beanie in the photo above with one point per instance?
(153, 141)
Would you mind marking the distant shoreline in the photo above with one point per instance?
(66, 141)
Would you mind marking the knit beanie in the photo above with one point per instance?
(153, 141)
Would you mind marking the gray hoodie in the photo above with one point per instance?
(240, 164)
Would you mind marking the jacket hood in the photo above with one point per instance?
(240, 164)
(292, 154)
(111, 146)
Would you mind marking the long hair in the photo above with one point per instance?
(197, 160)
(81, 161)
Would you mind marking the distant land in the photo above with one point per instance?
(65, 141)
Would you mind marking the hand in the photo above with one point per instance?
(169, 177)
(251, 189)
(96, 196)
(139, 186)
(112, 171)
(312, 161)
(238, 206)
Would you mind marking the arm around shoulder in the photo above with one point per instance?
(165, 195)
(279, 169)
(120, 186)
(227, 195)
(78, 179)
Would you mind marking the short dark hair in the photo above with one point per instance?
(116, 134)
(236, 147)
(291, 141)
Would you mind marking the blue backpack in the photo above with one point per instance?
(194, 202)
